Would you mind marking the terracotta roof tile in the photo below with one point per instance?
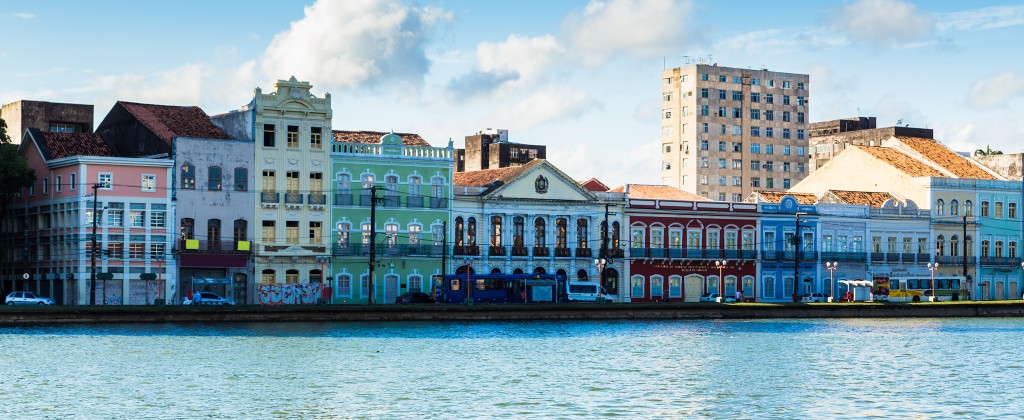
(947, 159)
(62, 145)
(902, 161)
(593, 184)
(873, 199)
(373, 137)
(662, 192)
(168, 122)
(487, 176)
(776, 197)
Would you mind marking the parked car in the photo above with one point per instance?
(26, 298)
(414, 297)
(210, 298)
(814, 297)
(713, 297)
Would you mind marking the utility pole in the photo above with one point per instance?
(604, 244)
(796, 260)
(444, 250)
(373, 243)
(965, 248)
(92, 277)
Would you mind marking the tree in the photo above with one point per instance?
(987, 151)
(14, 171)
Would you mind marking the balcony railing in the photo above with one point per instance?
(414, 201)
(520, 251)
(317, 199)
(541, 251)
(392, 250)
(270, 197)
(563, 252)
(1003, 261)
(438, 203)
(293, 198)
(494, 250)
(390, 201)
(616, 252)
(584, 252)
(466, 250)
(342, 199)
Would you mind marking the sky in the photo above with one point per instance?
(582, 77)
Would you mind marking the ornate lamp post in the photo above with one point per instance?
(831, 266)
(932, 267)
(600, 264)
(721, 280)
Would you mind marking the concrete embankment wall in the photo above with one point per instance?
(336, 313)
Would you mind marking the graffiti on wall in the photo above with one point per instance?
(288, 294)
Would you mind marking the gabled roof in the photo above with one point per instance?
(61, 145)
(660, 192)
(873, 199)
(373, 137)
(593, 184)
(486, 177)
(776, 197)
(947, 159)
(167, 121)
(902, 161)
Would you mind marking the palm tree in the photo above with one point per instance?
(987, 151)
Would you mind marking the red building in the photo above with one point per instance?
(683, 246)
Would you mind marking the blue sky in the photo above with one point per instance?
(582, 77)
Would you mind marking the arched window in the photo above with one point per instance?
(518, 231)
(582, 234)
(459, 230)
(539, 270)
(999, 250)
(538, 233)
(581, 275)
(315, 276)
(415, 231)
(343, 191)
(343, 234)
(968, 208)
(940, 245)
(214, 178)
(291, 276)
(985, 245)
(561, 234)
(188, 231)
(213, 234)
(471, 231)
(954, 208)
(496, 231)
(391, 190)
(968, 246)
(188, 177)
(954, 245)
(344, 285)
(615, 235)
(241, 230)
(940, 207)
(267, 276)
(495, 270)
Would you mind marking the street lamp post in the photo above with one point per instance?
(932, 267)
(721, 280)
(831, 266)
(600, 264)
(468, 264)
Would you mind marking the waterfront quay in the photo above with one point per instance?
(494, 312)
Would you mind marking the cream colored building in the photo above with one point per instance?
(727, 131)
(291, 129)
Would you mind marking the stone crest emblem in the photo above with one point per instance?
(541, 184)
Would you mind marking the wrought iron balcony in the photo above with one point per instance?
(496, 250)
(270, 197)
(541, 251)
(342, 199)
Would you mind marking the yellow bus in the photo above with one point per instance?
(917, 288)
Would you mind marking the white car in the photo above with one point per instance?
(713, 297)
(815, 297)
(27, 298)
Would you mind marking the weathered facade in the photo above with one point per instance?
(491, 149)
(829, 138)
(215, 196)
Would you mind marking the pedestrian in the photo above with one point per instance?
(197, 298)
(739, 296)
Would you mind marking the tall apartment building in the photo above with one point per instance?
(727, 132)
(491, 149)
(828, 138)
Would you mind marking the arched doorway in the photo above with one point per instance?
(517, 271)
(581, 275)
(539, 270)
(495, 270)
(462, 270)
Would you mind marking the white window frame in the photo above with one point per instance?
(109, 185)
(149, 186)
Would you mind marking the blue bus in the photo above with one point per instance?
(502, 288)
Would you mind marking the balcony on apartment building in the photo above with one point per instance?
(466, 250)
(673, 253)
(991, 261)
(270, 199)
(392, 201)
(387, 250)
(200, 246)
(293, 200)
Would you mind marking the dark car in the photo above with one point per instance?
(414, 297)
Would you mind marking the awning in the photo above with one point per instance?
(856, 283)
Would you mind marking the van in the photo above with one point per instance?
(585, 291)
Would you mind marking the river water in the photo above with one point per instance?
(629, 369)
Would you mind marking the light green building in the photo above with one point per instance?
(412, 184)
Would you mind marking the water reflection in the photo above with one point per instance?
(645, 369)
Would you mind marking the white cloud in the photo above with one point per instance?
(981, 19)
(604, 29)
(23, 15)
(518, 62)
(996, 90)
(355, 43)
(782, 41)
(544, 106)
(884, 22)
